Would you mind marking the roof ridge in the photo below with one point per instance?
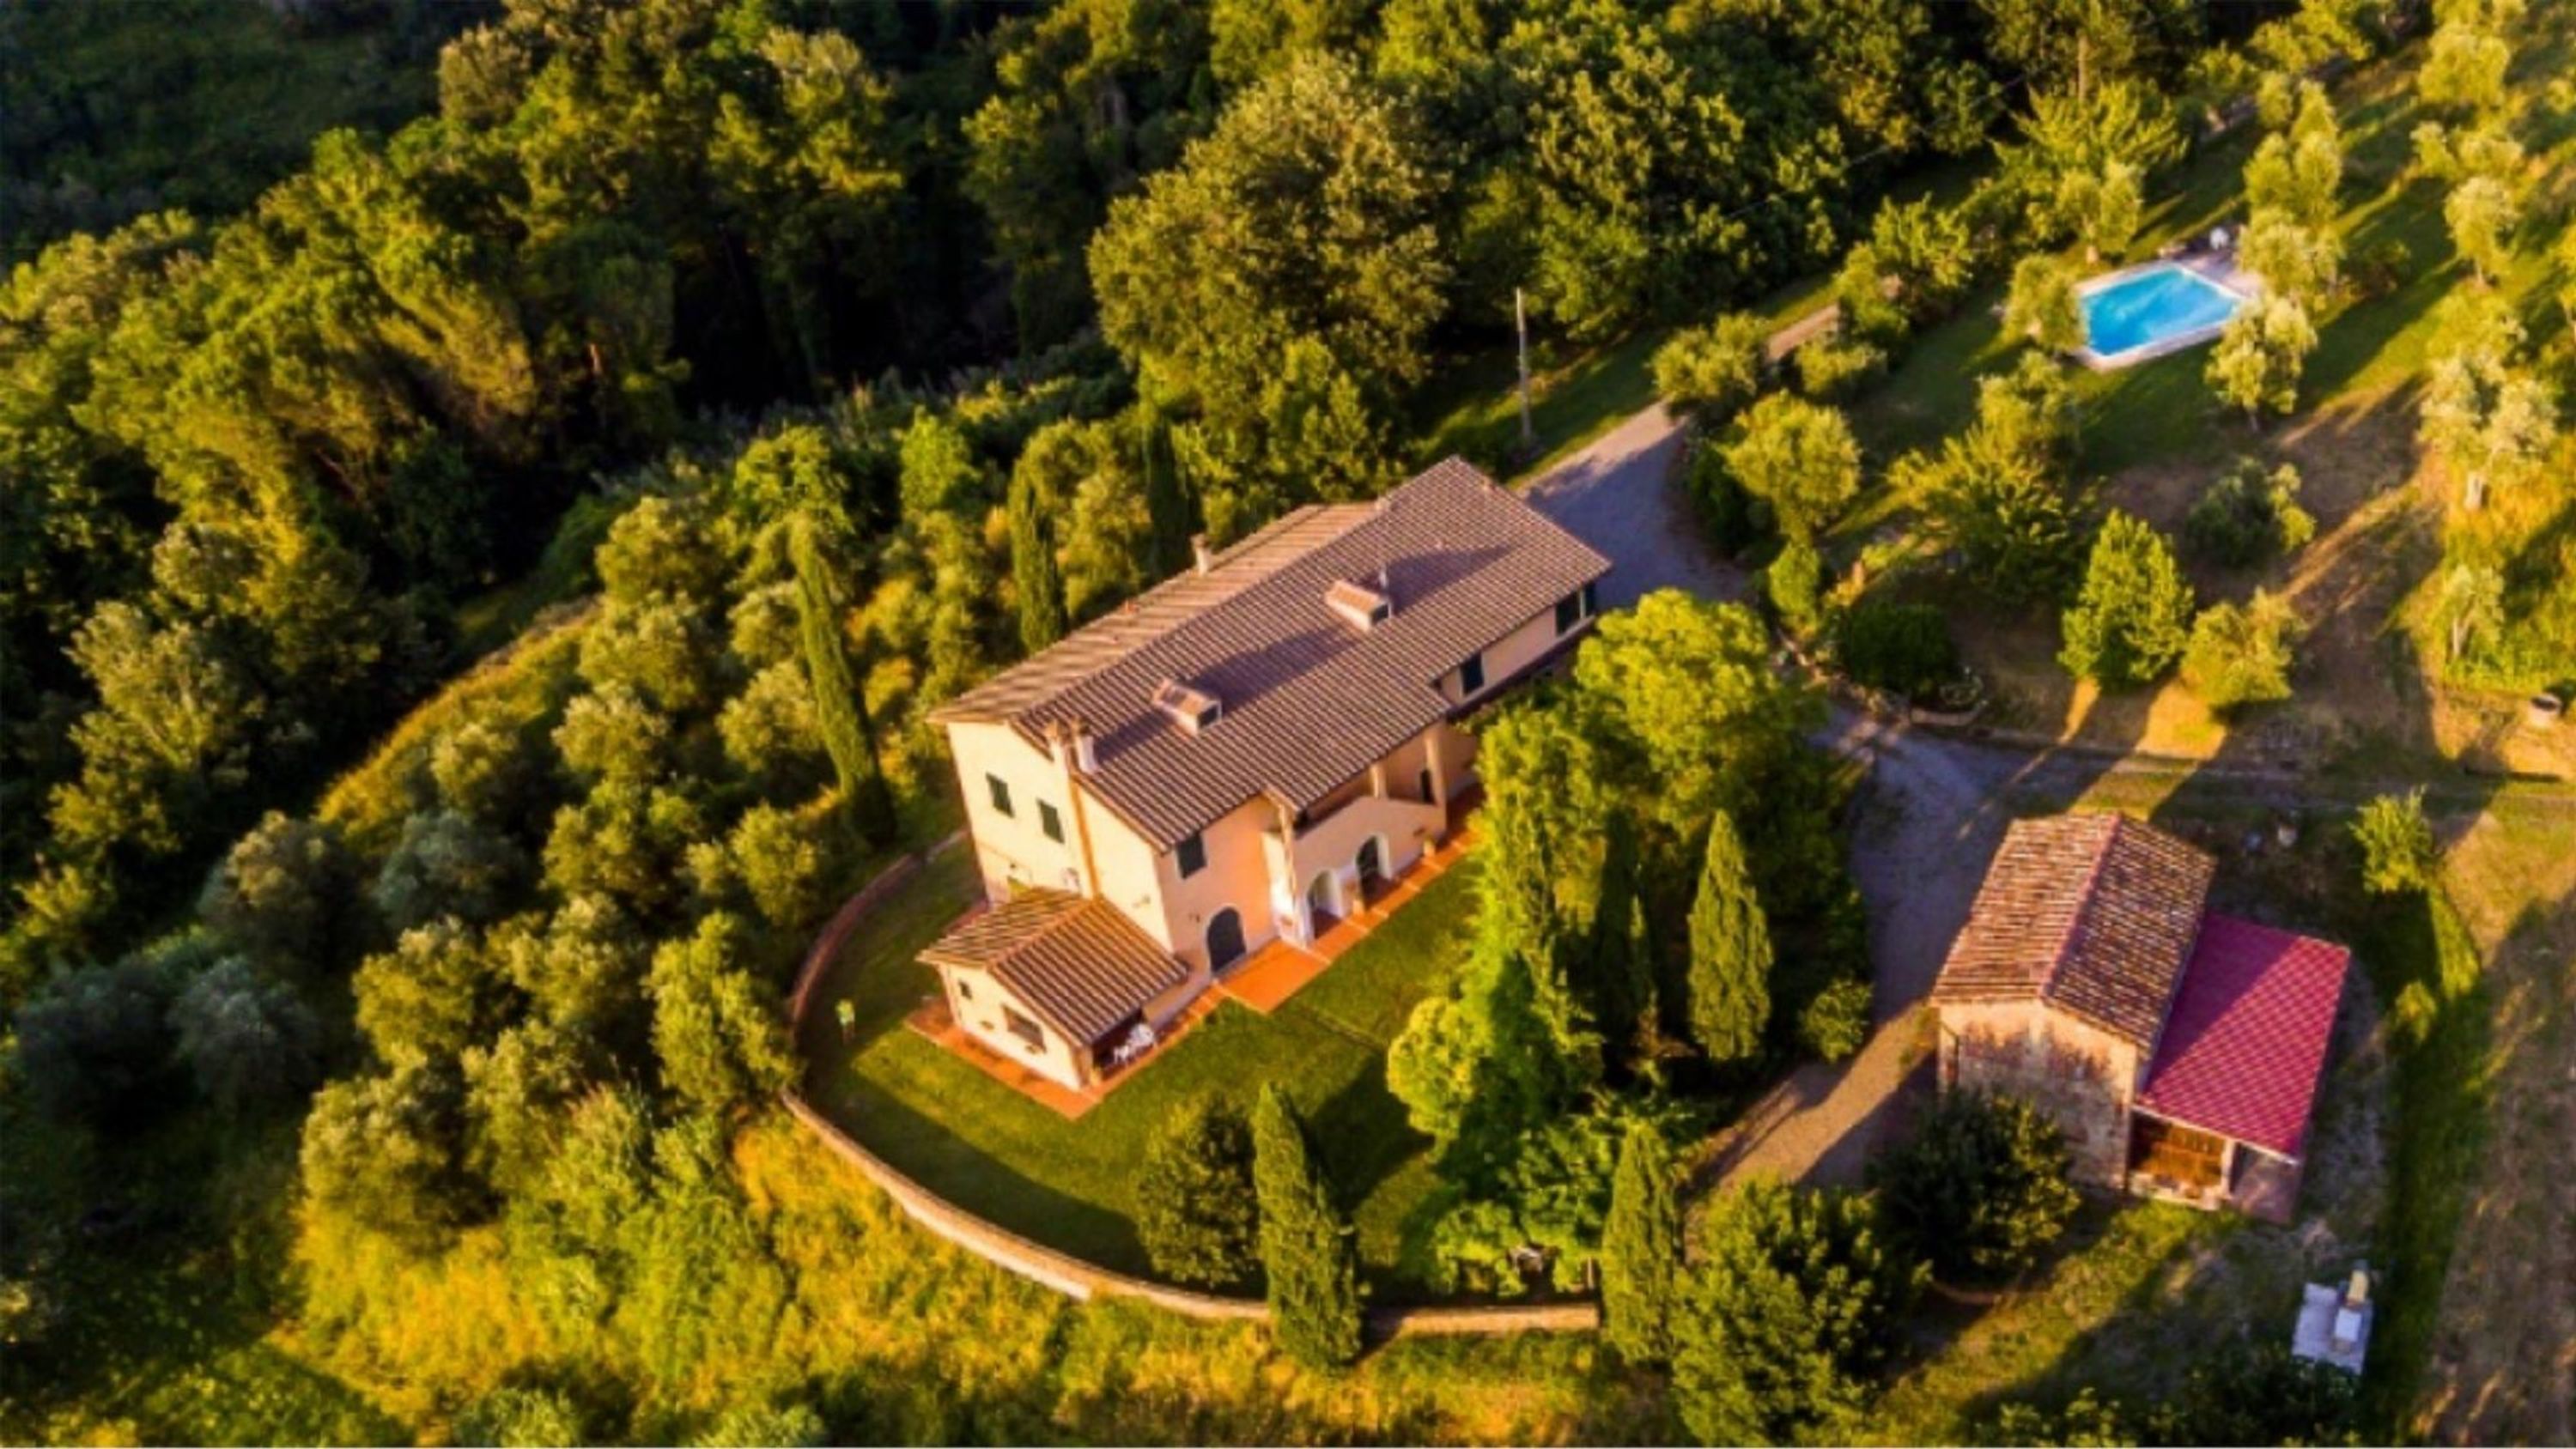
(2083, 909)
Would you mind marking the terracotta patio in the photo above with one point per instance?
(1274, 973)
(1283, 968)
(933, 1020)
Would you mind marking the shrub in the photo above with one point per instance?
(2246, 516)
(245, 1039)
(2383, 269)
(1306, 1249)
(1835, 367)
(2019, 530)
(2134, 615)
(1795, 584)
(382, 1152)
(610, 733)
(2263, 1395)
(523, 1418)
(1797, 456)
(278, 892)
(761, 1426)
(2397, 851)
(445, 864)
(1905, 648)
(2242, 656)
(1195, 1210)
(2041, 305)
(94, 1042)
(1981, 1188)
(1734, 518)
(1708, 373)
(1641, 1249)
(1791, 1313)
(1835, 1024)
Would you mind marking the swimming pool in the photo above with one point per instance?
(2135, 315)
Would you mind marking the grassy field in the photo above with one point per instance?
(1067, 1184)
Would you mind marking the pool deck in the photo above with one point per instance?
(2218, 268)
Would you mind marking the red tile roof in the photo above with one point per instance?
(1309, 700)
(2246, 1041)
(2093, 913)
(1077, 962)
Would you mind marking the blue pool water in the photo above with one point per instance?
(2156, 304)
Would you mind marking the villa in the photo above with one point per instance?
(1244, 754)
(2179, 1050)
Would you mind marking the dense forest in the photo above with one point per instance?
(682, 397)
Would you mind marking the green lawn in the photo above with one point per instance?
(1067, 1184)
(2422, 962)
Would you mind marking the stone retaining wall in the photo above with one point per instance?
(1079, 1278)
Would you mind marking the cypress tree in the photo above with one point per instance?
(1306, 1247)
(840, 713)
(1033, 566)
(1641, 1249)
(1167, 502)
(1730, 951)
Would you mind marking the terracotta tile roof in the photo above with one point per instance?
(2094, 913)
(2246, 1042)
(1309, 698)
(1082, 967)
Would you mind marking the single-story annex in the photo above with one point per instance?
(2178, 1049)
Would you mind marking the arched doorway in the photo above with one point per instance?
(1224, 939)
(1370, 866)
(1323, 903)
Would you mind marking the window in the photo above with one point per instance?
(1190, 856)
(964, 991)
(1471, 675)
(1591, 599)
(1569, 611)
(1029, 1032)
(1001, 793)
(1050, 822)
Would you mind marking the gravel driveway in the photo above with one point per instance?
(1615, 495)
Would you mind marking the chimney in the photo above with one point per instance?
(1086, 749)
(1203, 558)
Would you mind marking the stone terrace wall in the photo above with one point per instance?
(1079, 1278)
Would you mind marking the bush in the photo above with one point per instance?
(278, 892)
(1707, 373)
(2397, 851)
(1980, 1189)
(1195, 1211)
(1832, 367)
(2380, 271)
(2246, 516)
(2019, 530)
(1835, 1025)
(2263, 1395)
(523, 1418)
(1795, 584)
(94, 1043)
(2242, 656)
(446, 864)
(383, 1152)
(1734, 518)
(1797, 456)
(1904, 648)
(245, 1039)
(1792, 1312)
(2134, 616)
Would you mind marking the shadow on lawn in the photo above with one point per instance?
(931, 1153)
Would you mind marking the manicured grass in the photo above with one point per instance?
(1069, 1183)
